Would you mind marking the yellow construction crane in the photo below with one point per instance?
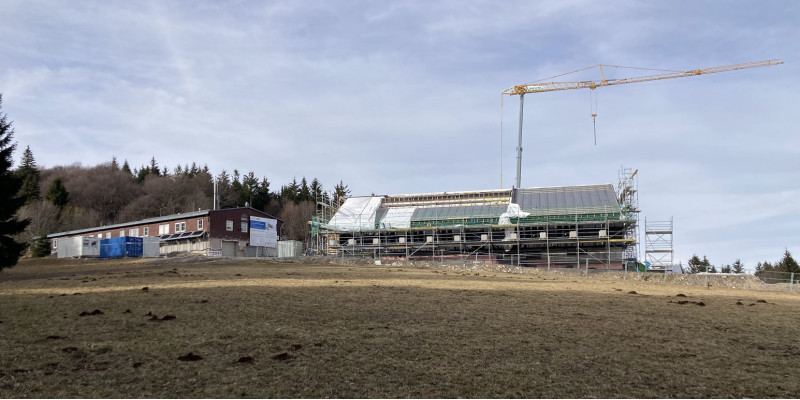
(541, 87)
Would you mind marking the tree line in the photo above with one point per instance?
(786, 264)
(82, 197)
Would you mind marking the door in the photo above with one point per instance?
(228, 249)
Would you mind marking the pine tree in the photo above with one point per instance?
(28, 173)
(316, 190)
(788, 263)
(41, 247)
(291, 191)
(57, 194)
(154, 167)
(695, 265)
(114, 163)
(126, 167)
(10, 201)
(305, 192)
(737, 267)
(340, 192)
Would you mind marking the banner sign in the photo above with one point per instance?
(263, 232)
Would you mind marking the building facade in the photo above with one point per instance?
(224, 232)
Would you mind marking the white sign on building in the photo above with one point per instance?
(263, 232)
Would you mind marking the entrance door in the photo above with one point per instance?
(228, 249)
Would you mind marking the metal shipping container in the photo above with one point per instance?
(78, 247)
(125, 246)
(290, 248)
(151, 247)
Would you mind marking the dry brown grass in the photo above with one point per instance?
(348, 331)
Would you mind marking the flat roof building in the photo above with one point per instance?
(212, 232)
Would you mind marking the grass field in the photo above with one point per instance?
(264, 329)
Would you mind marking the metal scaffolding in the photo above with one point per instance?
(658, 250)
(561, 227)
(628, 197)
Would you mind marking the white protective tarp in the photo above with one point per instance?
(513, 211)
(356, 213)
(397, 217)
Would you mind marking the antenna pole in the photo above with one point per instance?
(519, 145)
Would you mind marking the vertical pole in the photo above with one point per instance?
(519, 143)
(405, 234)
(519, 234)
(577, 242)
(501, 140)
(608, 245)
(791, 282)
(489, 239)
(547, 243)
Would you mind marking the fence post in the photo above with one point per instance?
(791, 282)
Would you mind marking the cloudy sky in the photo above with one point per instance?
(404, 97)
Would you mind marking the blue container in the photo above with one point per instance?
(126, 246)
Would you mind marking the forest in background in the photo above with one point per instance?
(64, 198)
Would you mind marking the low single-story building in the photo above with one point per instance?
(232, 232)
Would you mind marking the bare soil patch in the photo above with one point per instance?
(263, 329)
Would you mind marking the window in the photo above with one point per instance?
(229, 225)
(133, 232)
(99, 235)
(244, 226)
(163, 229)
(180, 227)
(121, 233)
(55, 243)
(108, 235)
(199, 224)
(146, 230)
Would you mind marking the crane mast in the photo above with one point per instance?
(541, 87)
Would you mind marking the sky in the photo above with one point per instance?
(405, 97)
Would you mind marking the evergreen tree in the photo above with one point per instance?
(737, 267)
(57, 194)
(291, 191)
(706, 265)
(261, 197)
(726, 269)
(695, 265)
(41, 247)
(788, 263)
(154, 167)
(142, 173)
(10, 200)
(114, 163)
(126, 167)
(304, 192)
(316, 190)
(340, 192)
(28, 173)
(249, 187)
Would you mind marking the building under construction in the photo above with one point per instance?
(559, 227)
